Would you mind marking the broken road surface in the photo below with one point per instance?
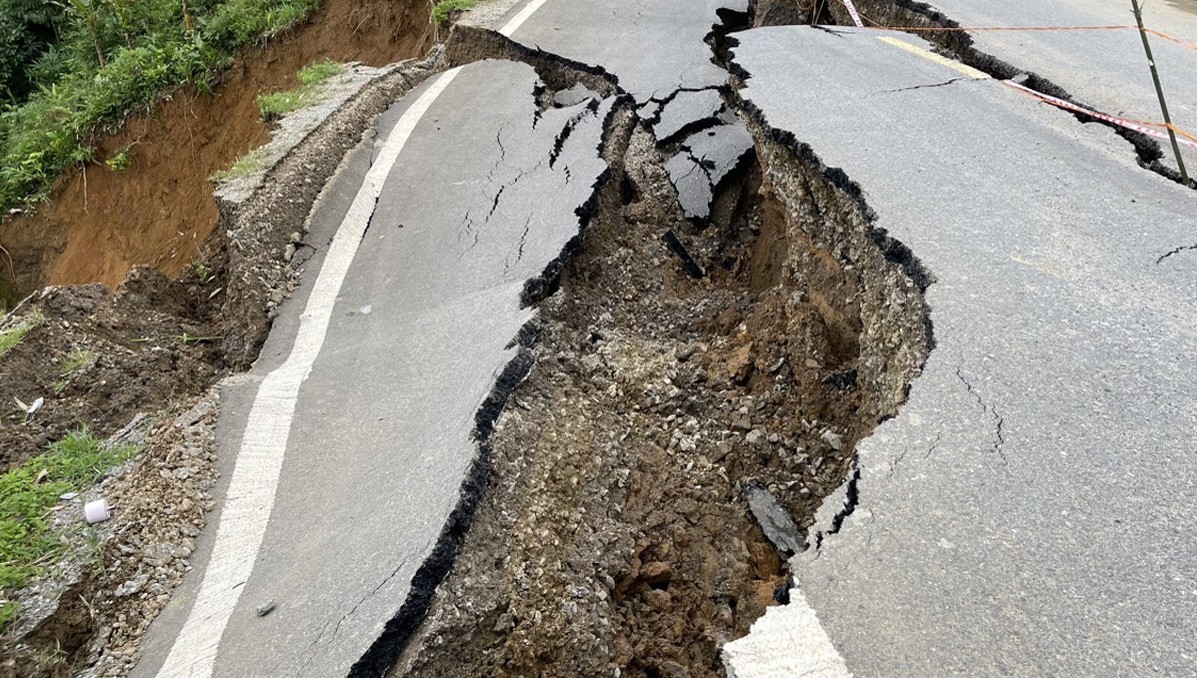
(376, 415)
(1102, 67)
(1030, 510)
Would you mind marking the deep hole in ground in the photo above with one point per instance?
(99, 222)
(614, 532)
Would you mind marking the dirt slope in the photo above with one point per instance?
(99, 223)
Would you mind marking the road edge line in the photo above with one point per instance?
(250, 496)
(788, 640)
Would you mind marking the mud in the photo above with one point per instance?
(99, 223)
(615, 537)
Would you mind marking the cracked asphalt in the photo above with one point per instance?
(1030, 510)
(1106, 69)
(479, 202)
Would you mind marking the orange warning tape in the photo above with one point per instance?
(1142, 126)
(1181, 132)
(1165, 36)
(1136, 125)
(856, 15)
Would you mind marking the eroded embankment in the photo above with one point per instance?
(158, 212)
(154, 346)
(682, 368)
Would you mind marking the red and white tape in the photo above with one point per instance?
(854, 13)
(1122, 122)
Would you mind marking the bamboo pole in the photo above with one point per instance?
(1159, 90)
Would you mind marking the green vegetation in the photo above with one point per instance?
(200, 269)
(318, 72)
(71, 69)
(243, 166)
(75, 362)
(443, 12)
(8, 612)
(27, 494)
(278, 104)
(13, 335)
(121, 160)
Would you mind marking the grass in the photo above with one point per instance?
(75, 362)
(318, 72)
(13, 335)
(200, 269)
(106, 64)
(121, 160)
(277, 104)
(443, 12)
(8, 612)
(242, 167)
(27, 494)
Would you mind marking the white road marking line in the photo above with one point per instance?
(787, 641)
(518, 20)
(932, 56)
(255, 478)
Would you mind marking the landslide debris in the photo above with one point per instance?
(97, 358)
(615, 536)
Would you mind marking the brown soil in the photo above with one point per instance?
(153, 347)
(614, 538)
(140, 350)
(99, 223)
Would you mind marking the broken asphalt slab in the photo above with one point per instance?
(669, 73)
(478, 203)
(706, 158)
(1030, 508)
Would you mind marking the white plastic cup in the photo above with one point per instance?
(97, 511)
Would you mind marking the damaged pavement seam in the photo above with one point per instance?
(929, 86)
(1178, 250)
(998, 420)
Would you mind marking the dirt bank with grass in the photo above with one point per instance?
(99, 223)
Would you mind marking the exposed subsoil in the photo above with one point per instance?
(145, 347)
(99, 223)
(614, 537)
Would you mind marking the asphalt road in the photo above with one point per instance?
(1031, 510)
(1106, 69)
(353, 433)
(380, 440)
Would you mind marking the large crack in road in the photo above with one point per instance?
(925, 22)
(699, 374)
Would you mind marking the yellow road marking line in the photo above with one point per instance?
(932, 56)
